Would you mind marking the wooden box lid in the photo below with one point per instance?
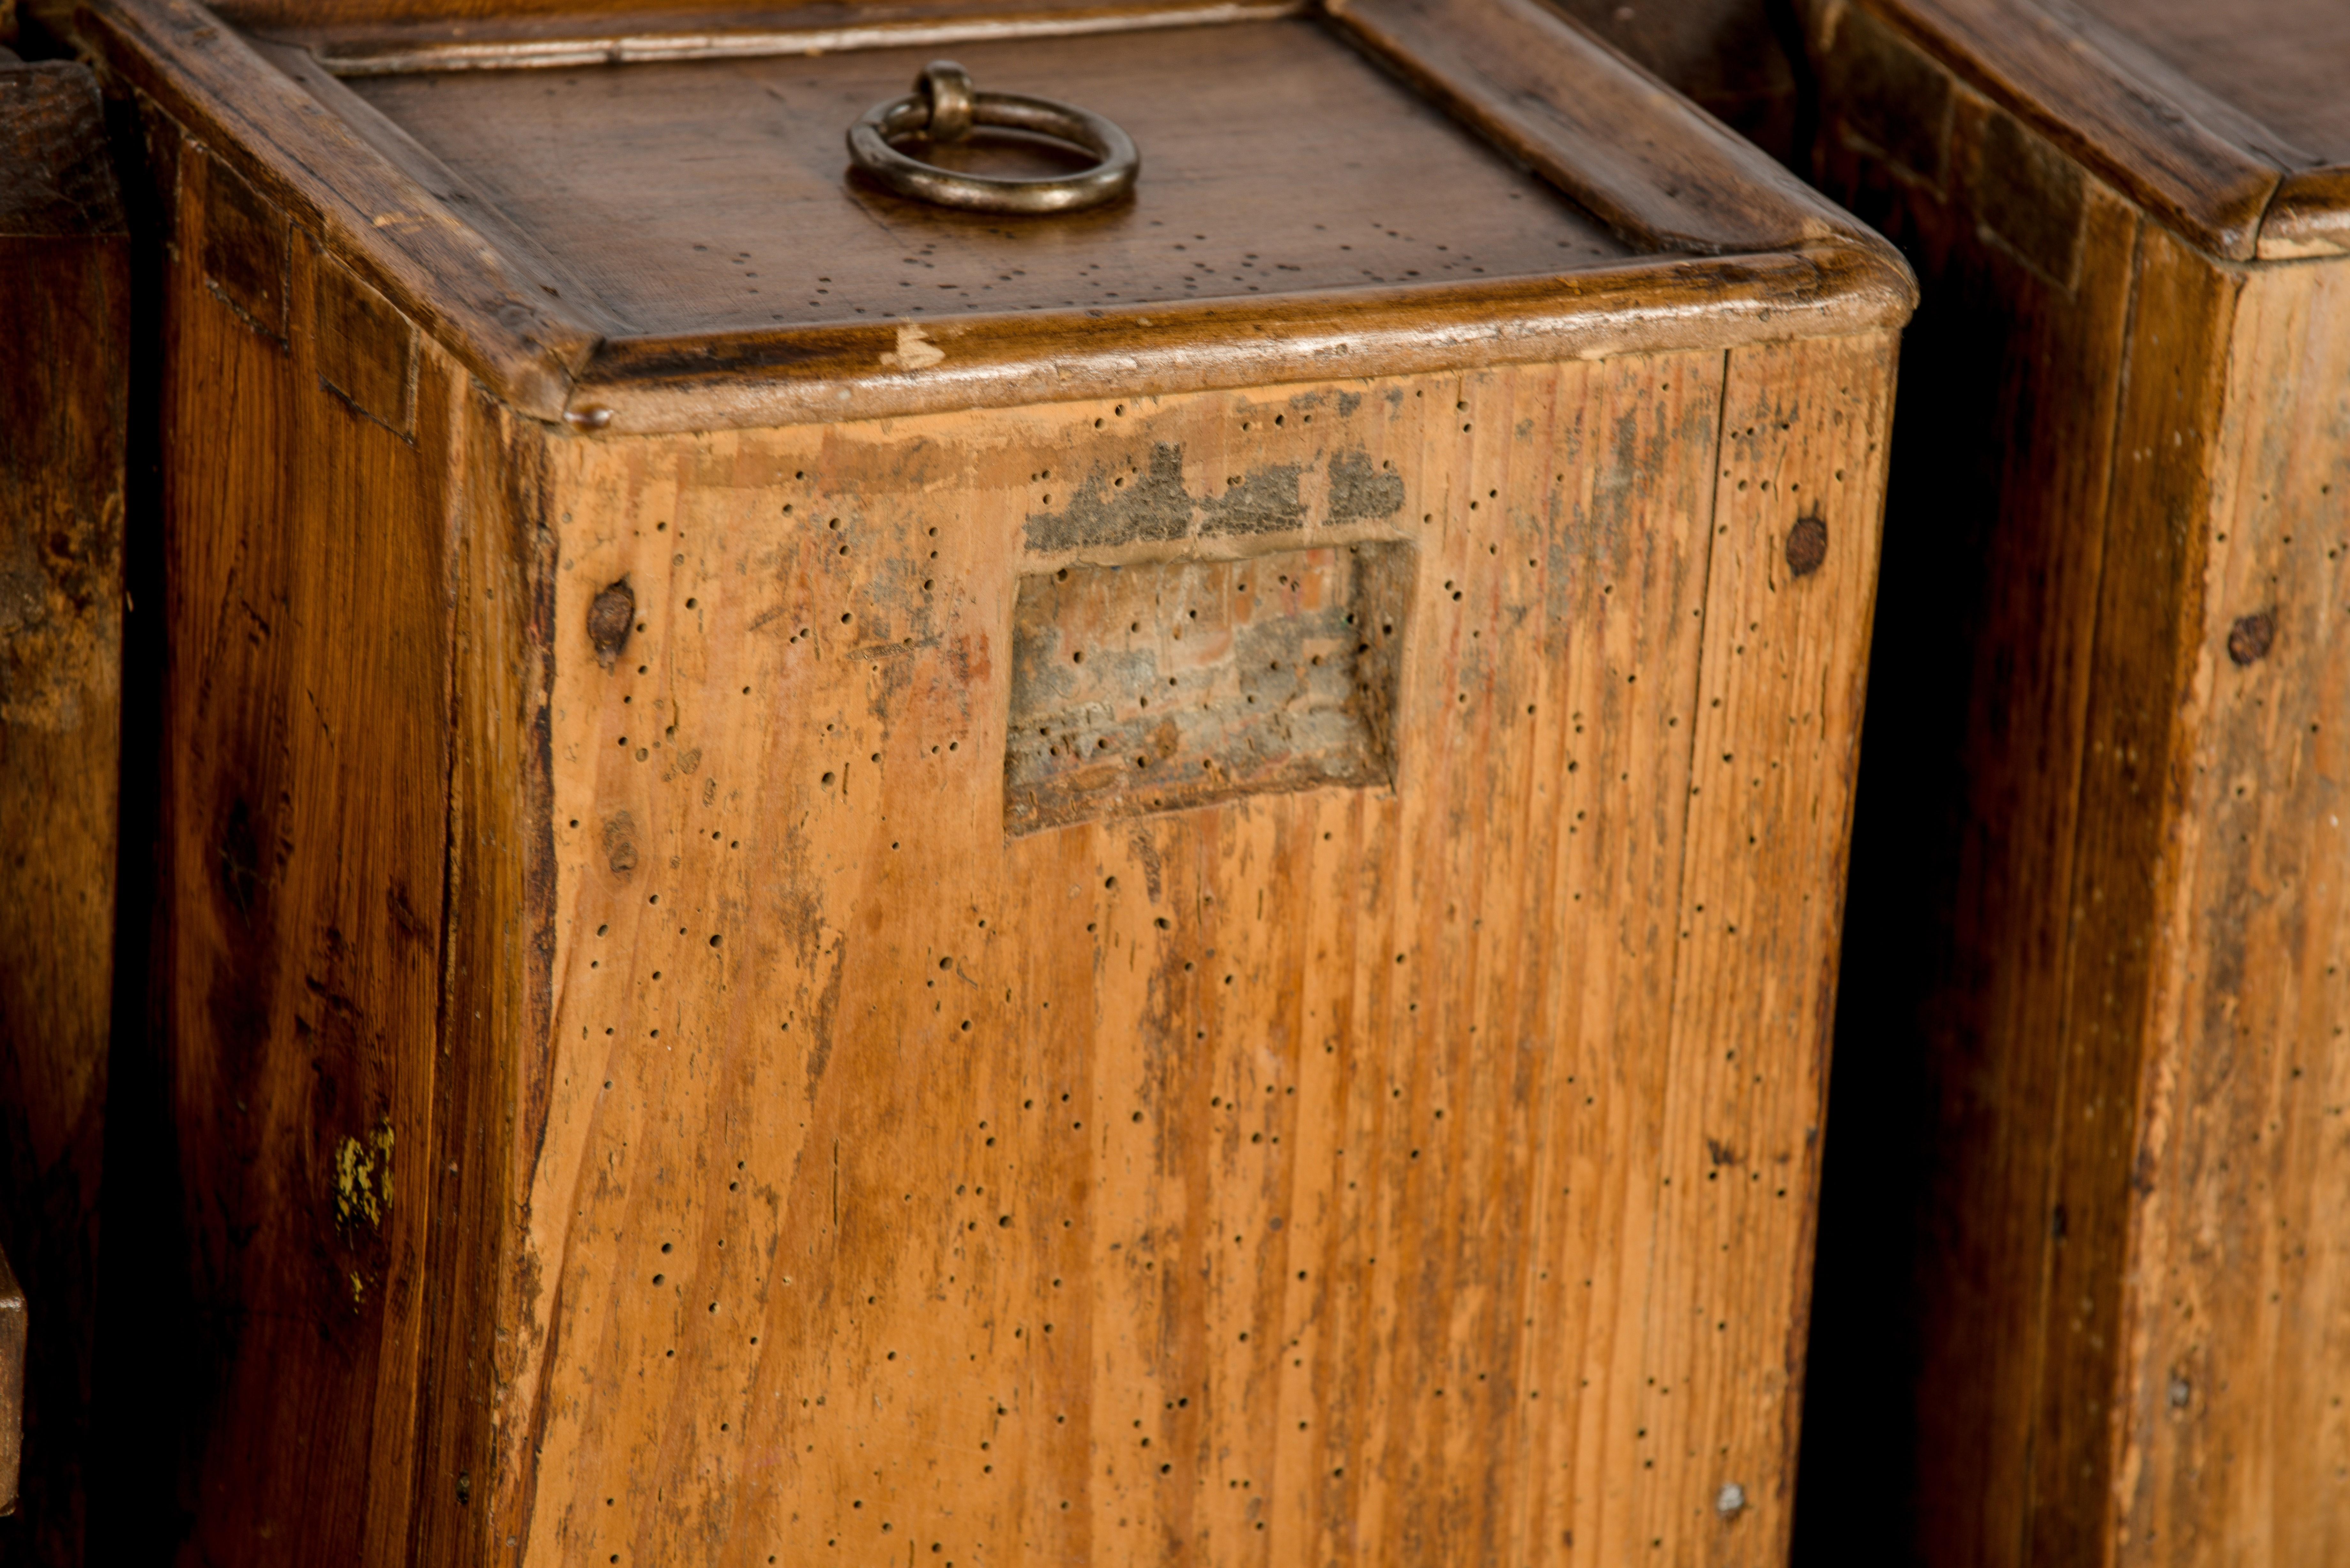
(646, 221)
(2228, 122)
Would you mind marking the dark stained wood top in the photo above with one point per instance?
(2286, 63)
(711, 194)
(1364, 188)
(2227, 122)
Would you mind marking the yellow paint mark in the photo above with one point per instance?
(363, 1180)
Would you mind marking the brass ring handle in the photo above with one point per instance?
(944, 107)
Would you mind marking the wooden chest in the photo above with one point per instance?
(64, 282)
(2093, 1059)
(852, 882)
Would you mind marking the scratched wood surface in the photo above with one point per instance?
(2235, 1439)
(2089, 1026)
(64, 321)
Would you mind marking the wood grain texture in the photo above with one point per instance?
(630, 175)
(63, 320)
(2270, 59)
(2233, 1442)
(998, 1252)
(1510, 71)
(496, 311)
(1360, 1164)
(2198, 161)
(307, 752)
(2123, 953)
(1968, 818)
(2069, 1116)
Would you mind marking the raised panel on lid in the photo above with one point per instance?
(706, 196)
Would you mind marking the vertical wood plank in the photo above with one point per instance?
(2124, 961)
(1920, 1425)
(2234, 1441)
(306, 750)
(1776, 741)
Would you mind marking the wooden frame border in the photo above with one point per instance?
(1738, 250)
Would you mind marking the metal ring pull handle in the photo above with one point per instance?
(944, 107)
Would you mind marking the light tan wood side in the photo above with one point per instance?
(1297, 1190)
(1761, 913)
(2232, 1433)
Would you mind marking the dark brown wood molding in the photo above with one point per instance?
(502, 320)
(2202, 166)
(444, 184)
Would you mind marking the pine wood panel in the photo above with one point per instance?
(1430, 1369)
(2233, 1442)
(64, 316)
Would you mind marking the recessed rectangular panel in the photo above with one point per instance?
(367, 349)
(244, 250)
(1167, 684)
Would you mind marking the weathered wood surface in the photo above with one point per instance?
(64, 321)
(2083, 1095)
(589, 840)
(1515, 1203)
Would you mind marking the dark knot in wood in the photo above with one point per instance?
(2249, 638)
(1807, 544)
(609, 620)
